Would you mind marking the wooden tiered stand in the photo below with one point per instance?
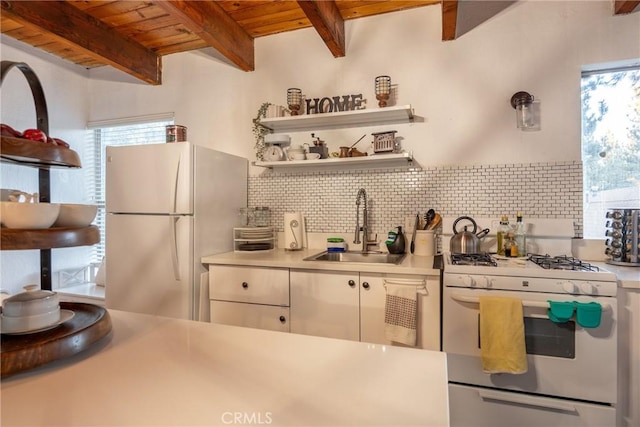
(90, 323)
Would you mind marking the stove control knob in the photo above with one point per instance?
(488, 282)
(469, 281)
(570, 287)
(588, 288)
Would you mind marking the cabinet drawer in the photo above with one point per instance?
(257, 316)
(254, 285)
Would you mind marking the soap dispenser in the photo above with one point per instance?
(395, 242)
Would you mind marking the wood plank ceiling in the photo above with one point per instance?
(132, 35)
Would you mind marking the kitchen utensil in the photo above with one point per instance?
(428, 217)
(354, 152)
(466, 242)
(435, 222)
(360, 139)
(413, 236)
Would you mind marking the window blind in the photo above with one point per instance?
(100, 134)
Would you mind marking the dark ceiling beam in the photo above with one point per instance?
(79, 30)
(328, 22)
(626, 6)
(449, 19)
(213, 25)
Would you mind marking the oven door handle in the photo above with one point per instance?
(527, 400)
(533, 304)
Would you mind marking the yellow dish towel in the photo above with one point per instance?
(502, 345)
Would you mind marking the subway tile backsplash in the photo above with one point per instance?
(327, 198)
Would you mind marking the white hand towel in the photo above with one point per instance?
(400, 314)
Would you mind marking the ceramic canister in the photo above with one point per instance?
(425, 244)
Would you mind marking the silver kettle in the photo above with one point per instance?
(466, 242)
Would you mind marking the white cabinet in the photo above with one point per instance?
(257, 316)
(254, 297)
(372, 307)
(325, 304)
(351, 305)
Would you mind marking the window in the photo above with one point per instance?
(131, 131)
(610, 144)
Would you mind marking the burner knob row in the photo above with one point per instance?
(586, 288)
(482, 282)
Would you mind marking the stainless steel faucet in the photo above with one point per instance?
(362, 194)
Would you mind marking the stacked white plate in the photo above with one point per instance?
(255, 234)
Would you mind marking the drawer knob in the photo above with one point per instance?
(245, 285)
(365, 285)
(352, 283)
(283, 319)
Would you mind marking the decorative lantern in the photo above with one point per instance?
(294, 99)
(383, 90)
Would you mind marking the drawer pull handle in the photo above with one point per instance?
(352, 283)
(245, 285)
(283, 319)
(365, 285)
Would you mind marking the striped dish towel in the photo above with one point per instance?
(400, 314)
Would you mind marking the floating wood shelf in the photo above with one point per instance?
(37, 154)
(367, 117)
(49, 238)
(376, 160)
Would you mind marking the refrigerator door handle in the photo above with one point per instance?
(174, 247)
(174, 189)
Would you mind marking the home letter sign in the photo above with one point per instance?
(334, 104)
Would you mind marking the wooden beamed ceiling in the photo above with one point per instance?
(133, 35)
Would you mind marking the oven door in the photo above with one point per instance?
(563, 359)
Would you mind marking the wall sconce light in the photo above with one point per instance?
(527, 111)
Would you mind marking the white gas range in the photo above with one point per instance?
(572, 370)
(536, 273)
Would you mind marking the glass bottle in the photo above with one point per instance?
(503, 229)
(520, 236)
(510, 246)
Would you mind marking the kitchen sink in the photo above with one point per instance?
(359, 257)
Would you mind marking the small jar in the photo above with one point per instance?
(246, 217)
(262, 216)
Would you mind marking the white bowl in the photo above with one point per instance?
(313, 156)
(73, 215)
(30, 303)
(28, 215)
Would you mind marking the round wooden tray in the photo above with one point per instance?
(89, 325)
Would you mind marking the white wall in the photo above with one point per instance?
(461, 88)
(66, 91)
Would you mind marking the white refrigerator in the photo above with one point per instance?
(167, 206)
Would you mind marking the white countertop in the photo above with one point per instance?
(411, 264)
(628, 277)
(159, 371)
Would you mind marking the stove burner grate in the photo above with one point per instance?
(473, 259)
(562, 262)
